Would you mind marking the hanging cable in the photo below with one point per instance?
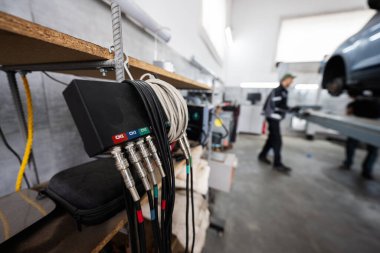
(14, 153)
(54, 79)
(176, 111)
(165, 104)
(134, 158)
(131, 224)
(29, 142)
(184, 149)
(192, 204)
(122, 166)
(157, 119)
(152, 203)
(189, 170)
(140, 227)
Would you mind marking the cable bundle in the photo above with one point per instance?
(174, 105)
(168, 116)
(158, 121)
(176, 112)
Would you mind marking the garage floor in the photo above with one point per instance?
(318, 208)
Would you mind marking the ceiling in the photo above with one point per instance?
(293, 8)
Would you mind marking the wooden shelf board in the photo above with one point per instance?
(25, 43)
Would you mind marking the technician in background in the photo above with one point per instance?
(364, 108)
(275, 109)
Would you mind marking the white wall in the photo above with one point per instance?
(309, 39)
(184, 20)
(256, 26)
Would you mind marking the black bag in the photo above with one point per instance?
(91, 192)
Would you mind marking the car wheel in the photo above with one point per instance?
(335, 87)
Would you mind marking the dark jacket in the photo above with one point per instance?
(276, 104)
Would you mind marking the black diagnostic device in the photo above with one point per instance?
(106, 113)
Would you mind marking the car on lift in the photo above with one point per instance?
(355, 64)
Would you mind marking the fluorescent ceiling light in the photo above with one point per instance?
(229, 38)
(259, 85)
(307, 86)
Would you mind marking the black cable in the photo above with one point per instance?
(131, 224)
(155, 228)
(54, 79)
(155, 189)
(224, 126)
(157, 119)
(168, 165)
(140, 227)
(14, 153)
(192, 205)
(187, 206)
(163, 208)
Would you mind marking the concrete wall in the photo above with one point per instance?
(183, 18)
(57, 144)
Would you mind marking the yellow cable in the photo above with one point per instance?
(29, 142)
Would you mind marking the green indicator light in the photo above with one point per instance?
(144, 131)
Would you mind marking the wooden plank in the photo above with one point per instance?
(25, 43)
(29, 209)
(138, 68)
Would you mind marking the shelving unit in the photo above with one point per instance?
(26, 46)
(29, 46)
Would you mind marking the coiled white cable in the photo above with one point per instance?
(174, 105)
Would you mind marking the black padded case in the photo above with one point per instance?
(91, 192)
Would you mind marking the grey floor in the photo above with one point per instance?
(318, 208)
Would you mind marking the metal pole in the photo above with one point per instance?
(117, 41)
(119, 73)
(11, 75)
